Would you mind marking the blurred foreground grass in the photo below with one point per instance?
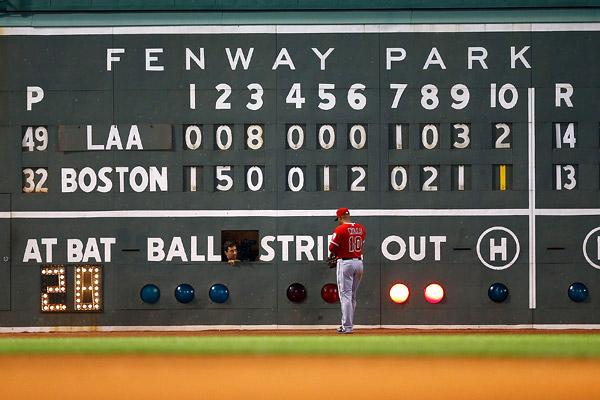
(436, 345)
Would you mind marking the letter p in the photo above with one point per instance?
(35, 94)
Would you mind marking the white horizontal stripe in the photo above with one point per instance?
(484, 212)
(476, 212)
(259, 213)
(32, 31)
(567, 211)
(249, 29)
(331, 28)
(498, 327)
(557, 27)
(188, 328)
(211, 29)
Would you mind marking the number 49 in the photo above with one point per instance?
(35, 139)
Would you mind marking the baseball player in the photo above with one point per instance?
(346, 246)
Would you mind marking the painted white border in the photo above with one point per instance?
(531, 188)
(424, 212)
(567, 212)
(249, 29)
(531, 212)
(201, 328)
(259, 213)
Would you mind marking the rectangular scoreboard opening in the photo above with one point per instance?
(246, 243)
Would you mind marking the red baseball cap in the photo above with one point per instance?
(340, 212)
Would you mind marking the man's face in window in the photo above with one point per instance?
(231, 253)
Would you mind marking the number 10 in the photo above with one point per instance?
(355, 243)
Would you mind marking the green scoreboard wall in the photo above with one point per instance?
(471, 154)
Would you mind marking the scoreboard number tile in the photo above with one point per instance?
(35, 138)
(85, 287)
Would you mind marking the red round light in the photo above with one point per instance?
(434, 293)
(399, 293)
(329, 293)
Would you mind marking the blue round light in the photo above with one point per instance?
(184, 293)
(218, 293)
(498, 292)
(578, 292)
(150, 293)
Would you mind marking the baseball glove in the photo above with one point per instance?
(332, 261)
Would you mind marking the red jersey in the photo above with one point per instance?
(348, 240)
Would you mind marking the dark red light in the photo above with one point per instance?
(329, 293)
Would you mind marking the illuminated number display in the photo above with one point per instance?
(88, 295)
(86, 288)
(54, 288)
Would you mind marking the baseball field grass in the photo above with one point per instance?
(463, 345)
(301, 365)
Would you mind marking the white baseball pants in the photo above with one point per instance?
(349, 275)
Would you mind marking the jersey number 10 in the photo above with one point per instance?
(355, 243)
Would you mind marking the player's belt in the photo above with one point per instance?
(352, 258)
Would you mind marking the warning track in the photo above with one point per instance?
(294, 377)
